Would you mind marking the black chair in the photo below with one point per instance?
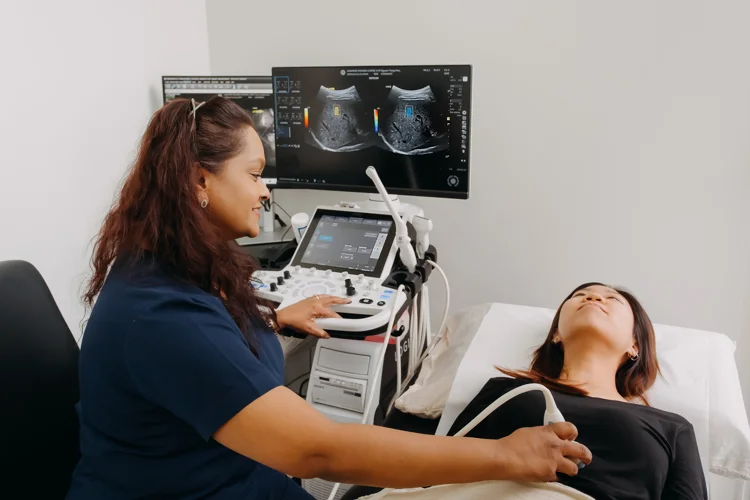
(38, 388)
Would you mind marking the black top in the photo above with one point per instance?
(639, 452)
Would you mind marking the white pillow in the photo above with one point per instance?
(427, 396)
(699, 378)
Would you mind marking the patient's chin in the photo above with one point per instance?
(593, 330)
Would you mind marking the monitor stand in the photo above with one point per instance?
(375, 202)
(267, 217)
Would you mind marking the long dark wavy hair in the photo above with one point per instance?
(157, 213)
(633, 378)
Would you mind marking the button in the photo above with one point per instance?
(381, 303)
(287, 274)
(366, 294)
(280, 280)
(274, 287)
(387, 292)
(361, 278)
(365, 301)
(344, 275)
(452, 181)
(350, 290)
(283, 292)
(297, 282)
(297, 268)
(329, 273)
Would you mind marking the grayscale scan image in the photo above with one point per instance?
(339, 122)
(265, 126)
(414, 125)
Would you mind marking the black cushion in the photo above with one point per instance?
(38, 388)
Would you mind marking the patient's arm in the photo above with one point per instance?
(685, 479)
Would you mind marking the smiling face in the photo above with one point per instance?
(598, 311)
(235, 194)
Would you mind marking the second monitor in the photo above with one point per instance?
(412, 123)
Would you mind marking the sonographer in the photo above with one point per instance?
(181, 373)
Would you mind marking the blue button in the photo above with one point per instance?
(388, 292)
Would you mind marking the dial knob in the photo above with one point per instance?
(347, 283)
(287, 275)
(350, 290)
(280, 280)
(274, 287)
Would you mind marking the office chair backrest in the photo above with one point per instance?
(38, 388)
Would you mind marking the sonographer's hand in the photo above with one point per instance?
(302, 315)
(539, 453)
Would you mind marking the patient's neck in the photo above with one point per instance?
(593, 369)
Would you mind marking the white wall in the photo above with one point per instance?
(611, 140)
(80, 80)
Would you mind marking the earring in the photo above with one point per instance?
(634, 357)
(555, 340)
(204, 202)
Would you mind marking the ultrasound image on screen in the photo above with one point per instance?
(411, 123)
(263, 120)
(340, 121)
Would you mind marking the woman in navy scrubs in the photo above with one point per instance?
(181, 372)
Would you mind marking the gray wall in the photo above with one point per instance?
(611, 141)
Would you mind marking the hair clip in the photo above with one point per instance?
(195, 108)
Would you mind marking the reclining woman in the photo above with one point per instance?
(599, 359)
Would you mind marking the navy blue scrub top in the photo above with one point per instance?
(163, 366)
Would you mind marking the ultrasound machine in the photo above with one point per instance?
(384, 131)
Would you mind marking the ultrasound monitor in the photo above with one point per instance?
(412, 123)
(253, 93)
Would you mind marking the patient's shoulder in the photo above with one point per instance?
(668, 417)
(504, 381)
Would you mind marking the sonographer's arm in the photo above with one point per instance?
(282, 431)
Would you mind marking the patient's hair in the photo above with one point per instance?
(157, 212)
(633, 378)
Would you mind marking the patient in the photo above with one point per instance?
(599, 360)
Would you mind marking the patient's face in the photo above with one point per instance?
(598, 310)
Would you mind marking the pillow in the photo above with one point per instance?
(427, 396)
(698, 381)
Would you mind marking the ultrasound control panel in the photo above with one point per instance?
(344, 252)
(412, 123)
